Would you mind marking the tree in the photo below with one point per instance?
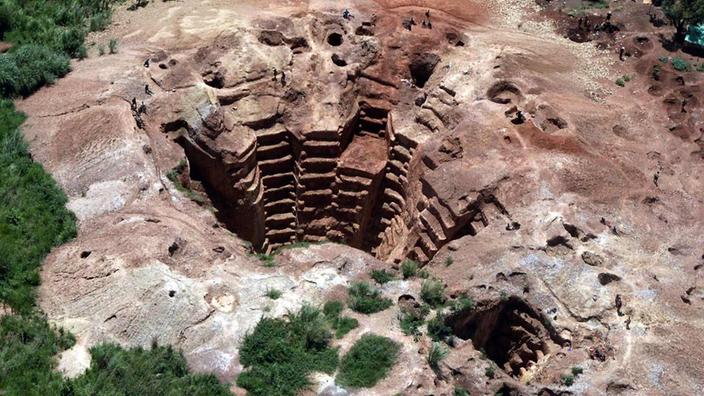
(682, 14)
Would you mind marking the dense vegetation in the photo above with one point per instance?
(280, 355)
(368, 361)
(366, 300)
(682, 14)
(33, 219)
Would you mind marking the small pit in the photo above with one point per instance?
(504, 92)
(335, 39)
(422, 68)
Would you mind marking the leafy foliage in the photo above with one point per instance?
(438, 331)
(409, 268)
(363, 299)
(333, 313)
(368, 361)
(433, 292)
(33, 217)
(682, 14)
(29, 68)
(679, 64)
(412, 320)
(273, 294)
(436, 353)
(461, 391)
(137, 371)
(382, 276)
(280, 355)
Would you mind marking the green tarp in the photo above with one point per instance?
(695, 36)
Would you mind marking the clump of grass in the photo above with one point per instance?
(267, 259)
(663, 59)
(341, 324)
(366, 300)
(112, 45)
(424, 274)
(82, 52)
(279, 355)
(436, 353)
(464, 303)
(273, 294)
(368, 361)
(101, 50)
(626, 78)
(567, 379)
(433, 292)
(620, 82)
(504, 295)
(655, 75)
(459, 391)
(409, 268)
(382, 276)
(448, 261)
(490, 371)
(595, 6)
(680, 64)
(439, 331)
(412, 320)
(577, 370)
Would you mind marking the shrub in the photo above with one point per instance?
(664, 59)
(424, 274)
(24, 71)
(101, 49)
(279, 355)
(99, 22)
(273, 294)
(333, 313)
(567, 379)
(461, 391)
(490, 371)
(411, 320)
(82, 52)
(577, 370)
(438, 331)
(448, 261)
(436, 354)
(363, 299)
(382, 276)
(409, 268)
(626, 78)
(112, 44)
(433, 292)
(368, 361)
(464, 303)
(33, 216)
(700, 68)
(679, 64)
(620, 82)
(504, 295)
(136, 371)
(655, 75)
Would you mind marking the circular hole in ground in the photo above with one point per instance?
(335, 39)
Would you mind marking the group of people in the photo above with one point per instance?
(585, 24)
(283, 76)
(408, 24)
(138, 110)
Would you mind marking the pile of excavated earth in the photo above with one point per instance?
(493, 148)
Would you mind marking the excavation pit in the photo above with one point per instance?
(510, 333)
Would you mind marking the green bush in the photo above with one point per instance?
(82, 52)
(333, 313)
(567, 379)
(409, 268)
(680, 64)
(279, 355)
(382, 276)
(112, 44)
(368, 361)
(33, 216)
(412, 320)
(136, 371)
(273, 294)
(626, 78)
(101, 49)
(433, 292)
(438, 331)
(464, 303)
(436, 354)
(490, 371)
(663, 59)
(655, 75)
(29, 68)
(461, 391)
(424, 274)
(99, 21)
(27, 349)
(363, 299)
(577, 370)
(448, 261)
(620, 82)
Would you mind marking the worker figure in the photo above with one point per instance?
(146, 63)
(274, 70)
(133, 106)
(581, 21)
(656, 177)
(408, 26)
(147, 90)
(424, 24)
(283, 78)
(622, 53)
(346, 14)
(608, 16)
(619, 304)
(684, 103)
(586, 23)
(430, 25)
(142, 108)
(413, 21)
(427, 14)
(138, 120)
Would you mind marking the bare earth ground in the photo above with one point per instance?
(550, 219)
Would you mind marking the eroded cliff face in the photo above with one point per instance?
(474, 151)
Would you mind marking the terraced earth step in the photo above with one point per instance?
(277, 165)
(322, 148)
(401, 153)
(280, 235)
(274, 151)
(356, 181)
(433, 227)
(317, 180)
(318, 165)
(278, 180)
(280, 220)
(279, 193)
(280, 206)
(442, 213)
